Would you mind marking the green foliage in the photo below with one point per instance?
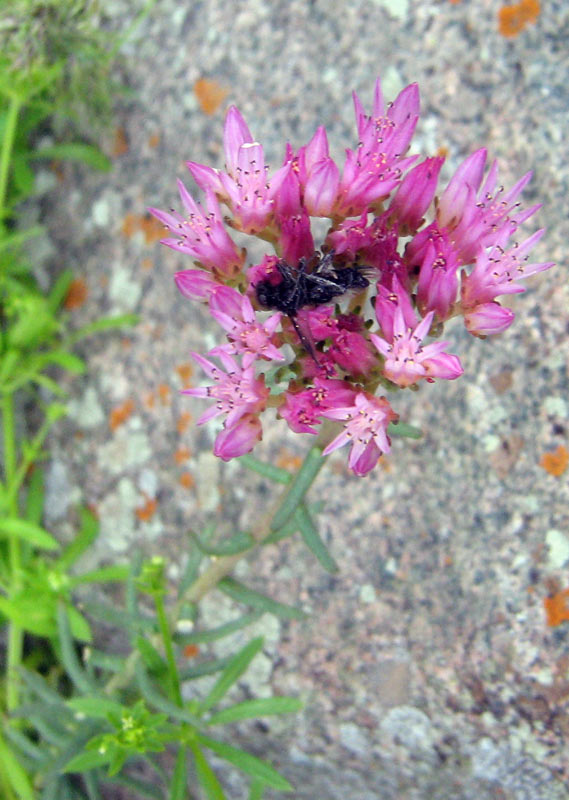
(99, 726)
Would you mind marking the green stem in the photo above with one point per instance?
(15, 633)
(220, 567)
(175, 693)
(27, 459)
(6, 155)
(281, 512)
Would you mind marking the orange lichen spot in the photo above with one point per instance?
(289, 461)
(185, 371)
(164, 393)
(153, 229)
(154, 140)
(76, 294)
(556, 608)
(120, 414)
(187, 480)
(513, 19)
(149, 400)
(146, 511)
(120, 142)
(147, 263)
(184, 421)
(182, 454)
(130, 225)
(191, 650)
(210, 95)
(556, 462)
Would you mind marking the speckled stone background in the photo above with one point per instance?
(427, 667)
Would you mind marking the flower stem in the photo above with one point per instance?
(175, 692)
(6, 154)
(273, 520)
(15, 633)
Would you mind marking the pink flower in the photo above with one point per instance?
(202, 235)
(386, 304)
(437, 287)
(488, 319)
(302, 409)
(381, 250)
(497, 272)
(236, 392)
(296, 238)
(407, 362)
(350, 236)
(351, 351)
(480, 217)
(246, 335)
(244, 186)
(239, 439)
(365, 428)
(415, 193)
(373, 170)
(195, 284)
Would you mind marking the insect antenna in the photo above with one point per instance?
(305, 341)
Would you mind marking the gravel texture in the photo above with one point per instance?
(426, 664)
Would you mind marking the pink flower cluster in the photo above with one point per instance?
(422, 257)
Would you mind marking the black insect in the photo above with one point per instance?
(313, 282)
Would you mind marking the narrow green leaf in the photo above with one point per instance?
(35, 497)
(8, 364)
(405, 430)
(300, 485)
(65, 360)
(247, 763)
(85, 537)
(94, 706)
(158, 701)
(59, 290)
(80, 628)
(105, 324)
(106, 661)
(312, 539)
(231, 674)
(40, 687)
(268, 471)
(87, 760)
(110, 574)
(139, 788)
(260, 707)
(238, 543)
(15, 773)
(19, 237)
(32, 611)
(257, 790)
(28, 532)
(205, 668)
(206, 776)
(68, 655)
(178, 785)
(242, 594)
(41, 380)
(75, 151)
(200, 637)
(92, 786)
(21, 741)
(151, 656)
